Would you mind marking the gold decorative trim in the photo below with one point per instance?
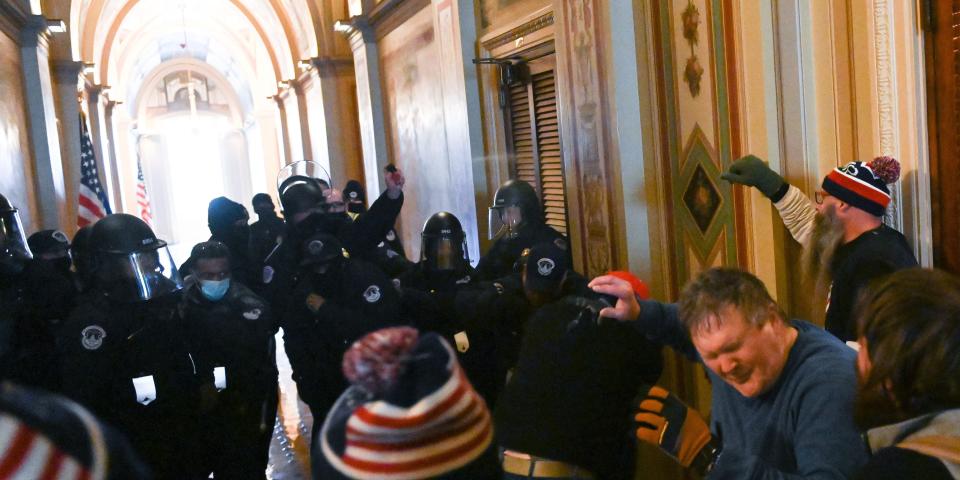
(886, 102)
(512, 35)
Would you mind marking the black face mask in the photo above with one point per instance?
(357, 208)
(61, 264)
(317, 222)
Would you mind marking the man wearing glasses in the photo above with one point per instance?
(846, 244)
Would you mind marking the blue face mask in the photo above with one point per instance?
(214, 290)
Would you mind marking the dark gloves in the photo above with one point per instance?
(752, 171)
(665, 421)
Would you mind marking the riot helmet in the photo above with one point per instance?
(14, 250)
(301, 186)
(514, 205)
(443, 245)
(130, 264)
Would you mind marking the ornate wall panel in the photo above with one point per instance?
(697, 136)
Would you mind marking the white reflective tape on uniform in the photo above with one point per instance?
(463, 343)
(146, 389)
(220, 378)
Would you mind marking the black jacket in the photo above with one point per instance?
(105, 345)
(571, 395)
(325, 315)
(856, 265)
(499, 260)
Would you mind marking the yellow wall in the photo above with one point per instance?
(16, 168)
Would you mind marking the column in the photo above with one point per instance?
(67, 78)
(44, 138)
(300, 89)
(108, 156)
(366, 65)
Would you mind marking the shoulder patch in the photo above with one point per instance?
(372, 294)
(92, 337)
(252, 314)
(560, 243)
(396, 283)
(268, 274)
(391, 236)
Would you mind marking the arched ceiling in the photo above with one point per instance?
(252, 43)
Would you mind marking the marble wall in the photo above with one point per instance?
(16, 167)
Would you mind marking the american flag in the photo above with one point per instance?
(143, 200)
(93, 203)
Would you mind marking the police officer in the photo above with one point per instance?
(336, 301)
(49, 296)
(14, 256)
(441, 293)
(305, 207)
(124, 347)
(266, 231)
(232, 332)
(570, 398)
(517, 223)
(384, 255)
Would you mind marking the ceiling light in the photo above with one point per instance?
(89, 67)
(305, 64)
(56, 26)
(283, 84)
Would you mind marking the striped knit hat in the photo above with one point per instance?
(410, 413)
(864, 185)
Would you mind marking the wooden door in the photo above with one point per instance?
(942, 32)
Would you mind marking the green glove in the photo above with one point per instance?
(752, 171)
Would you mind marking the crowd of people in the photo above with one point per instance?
(118, 363)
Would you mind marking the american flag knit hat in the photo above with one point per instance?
(410, 412)
(864, 185)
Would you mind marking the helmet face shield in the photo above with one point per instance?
(504, 221)
(138, 276)
(444, 253)
(14, 251)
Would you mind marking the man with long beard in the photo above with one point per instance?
(909, 396)
(846, 244)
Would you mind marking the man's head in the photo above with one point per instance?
(263, 206)
(356, 197)
(514, 205)
(739, 331)
(544, 269)
(51, 247)
(443, 244)
(228, 219)
(334, 201)
(909, 358)
(211, 268)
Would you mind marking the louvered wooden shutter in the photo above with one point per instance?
(535, 142)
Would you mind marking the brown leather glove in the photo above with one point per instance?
(665, 421)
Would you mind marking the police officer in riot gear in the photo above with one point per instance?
(14, 256)
(305, 207)
(49, 295)
(517, 223)
(336, 301)
(231, 331)
(124, 351)
(441, 294)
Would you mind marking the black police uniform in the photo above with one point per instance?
(500, 259)
(359, 237)
(14, 256)
(105, 345)
(326, 314)
(237, 334)
(264, 234)
(49, 294)
(570, 397)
